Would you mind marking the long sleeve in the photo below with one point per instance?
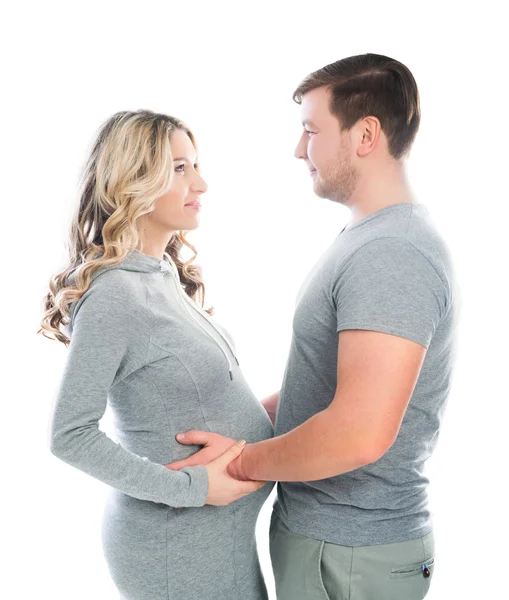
(110, 333)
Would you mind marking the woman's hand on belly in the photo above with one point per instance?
(213, 448)
(223, 488)
(221, 455)
(214, 444)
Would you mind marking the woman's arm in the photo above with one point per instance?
(109, 340)
(270, 405)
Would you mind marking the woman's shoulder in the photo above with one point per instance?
(115, 293)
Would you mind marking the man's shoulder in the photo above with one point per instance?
(424, 235)
(392, 239)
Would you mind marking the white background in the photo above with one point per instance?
(228, 69)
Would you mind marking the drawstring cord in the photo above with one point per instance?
(188, 301)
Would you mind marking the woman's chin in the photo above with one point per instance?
(190, 225)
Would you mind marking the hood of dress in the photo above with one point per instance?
(135, 260)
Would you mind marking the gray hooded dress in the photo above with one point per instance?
(141, 344)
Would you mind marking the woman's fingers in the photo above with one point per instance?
(224, 489)
(252, 486)
(230, 454)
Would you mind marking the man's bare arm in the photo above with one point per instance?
(377, 373)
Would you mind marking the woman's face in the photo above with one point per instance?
(179, 208)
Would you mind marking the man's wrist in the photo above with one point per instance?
(242, 464)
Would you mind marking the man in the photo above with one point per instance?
(371, 358)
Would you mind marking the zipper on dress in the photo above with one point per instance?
(199, 309)
(188, 301)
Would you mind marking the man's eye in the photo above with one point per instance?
(310, 132)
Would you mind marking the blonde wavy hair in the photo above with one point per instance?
(129, 167)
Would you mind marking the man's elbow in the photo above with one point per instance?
(373, 450)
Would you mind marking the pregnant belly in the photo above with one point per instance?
(154, 551)
(159, 444)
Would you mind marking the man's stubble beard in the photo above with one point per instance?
(338, 181)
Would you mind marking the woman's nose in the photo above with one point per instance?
(201, 185)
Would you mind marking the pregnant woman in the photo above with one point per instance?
(126, 307)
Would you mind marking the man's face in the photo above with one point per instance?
(326, 151)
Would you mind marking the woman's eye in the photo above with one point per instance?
(183, 165)
(177, 168)
(310, 132)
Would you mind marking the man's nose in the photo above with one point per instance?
(300, 150)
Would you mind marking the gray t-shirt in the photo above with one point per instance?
(389, 272)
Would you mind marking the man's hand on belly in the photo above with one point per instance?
(214, 444)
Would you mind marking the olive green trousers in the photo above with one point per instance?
(309, 569)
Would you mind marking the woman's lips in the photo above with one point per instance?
(195, 205)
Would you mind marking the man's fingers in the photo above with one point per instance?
(175, 466)
(194, 436)
(191, 461)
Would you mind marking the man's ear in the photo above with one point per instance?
(369, 131)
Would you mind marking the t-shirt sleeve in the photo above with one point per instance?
(109, 335)
(388, 285)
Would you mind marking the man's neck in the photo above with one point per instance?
(378, 191)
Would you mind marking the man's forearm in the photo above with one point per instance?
(320, 447)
